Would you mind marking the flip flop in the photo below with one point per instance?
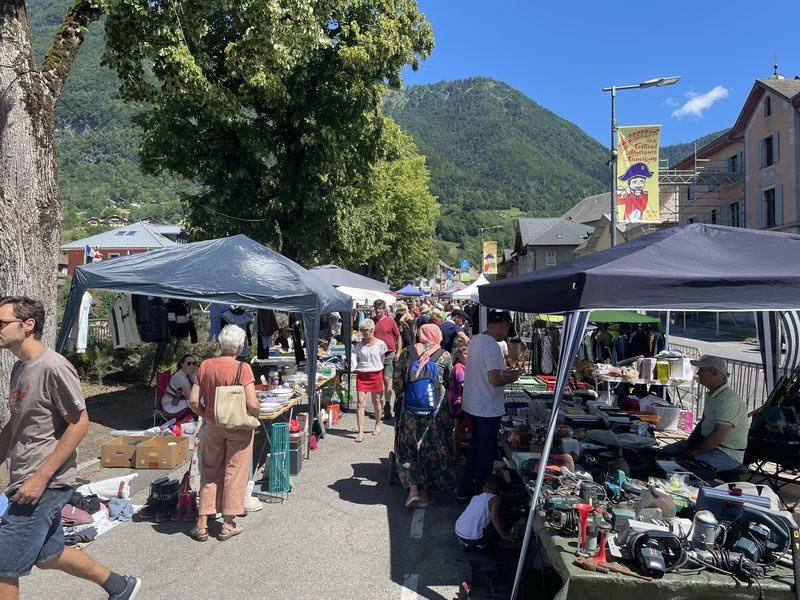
(233, 530)
(377, 431)
(360, 438)
(412, 502)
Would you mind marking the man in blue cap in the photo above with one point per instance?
(634, 196)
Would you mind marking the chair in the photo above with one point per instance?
(162, 381)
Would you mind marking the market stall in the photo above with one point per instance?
(697, 267)
(471, 291)
(234, 270)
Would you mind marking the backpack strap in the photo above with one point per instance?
(412, 350)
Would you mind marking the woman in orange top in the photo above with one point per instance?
(225, 454)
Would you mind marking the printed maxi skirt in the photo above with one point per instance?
(424, 450)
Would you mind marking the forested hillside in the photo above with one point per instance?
(491, 148)
(677, 152)
(97, 142)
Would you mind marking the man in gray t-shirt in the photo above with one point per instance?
(39, 442)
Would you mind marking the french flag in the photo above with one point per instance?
(90, 253)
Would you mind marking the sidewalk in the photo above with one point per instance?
(343, 533)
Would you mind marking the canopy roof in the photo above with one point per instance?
(695, 267)
(233, 270)
(361, 296)
(336, 276)
(471, 291)
(409, 290)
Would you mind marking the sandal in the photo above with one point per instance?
(199, 533)
(412, 501)
(377, 430)
(233, 530)
(360, 437)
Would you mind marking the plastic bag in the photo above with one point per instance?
(116, 487)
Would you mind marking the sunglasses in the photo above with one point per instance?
(4, 323)
(191, 363)
(366, 330)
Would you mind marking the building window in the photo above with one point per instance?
(113, 255)
(713, 218)
(734, 212)
(767, 106)
(769, 208)
(768, 152)
(690, 193)
(550, 258)
(690, 220)
(733, 164)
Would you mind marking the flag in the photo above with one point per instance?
(637, 174)
(490, 258)
(90, 253)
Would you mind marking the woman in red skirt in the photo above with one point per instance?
(369, 375)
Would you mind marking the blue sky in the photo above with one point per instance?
(561, 54)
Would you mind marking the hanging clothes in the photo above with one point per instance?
(241, 318)
(215, 324)
(79, 336)
(620, 348)
(122, 323)
(180, 321)
(151, 318)
(266, 326)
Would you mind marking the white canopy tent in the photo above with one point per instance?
(362, 296)
(471, 291)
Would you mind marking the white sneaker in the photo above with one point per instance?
(252, 504)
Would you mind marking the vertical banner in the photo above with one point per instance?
(637, 174)
(464, 267)
(490, 258)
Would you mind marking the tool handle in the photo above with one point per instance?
(624, 571)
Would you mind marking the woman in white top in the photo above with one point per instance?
(369, 375)
(174, 400)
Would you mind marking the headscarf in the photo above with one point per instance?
(431, 335)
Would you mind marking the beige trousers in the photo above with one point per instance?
(224, 469)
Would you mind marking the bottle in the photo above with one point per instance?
(662, 371)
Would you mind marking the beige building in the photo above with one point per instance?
(750, 176)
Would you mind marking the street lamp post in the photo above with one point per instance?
(658, 82)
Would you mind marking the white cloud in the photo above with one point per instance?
(671, 102)
(699, 103)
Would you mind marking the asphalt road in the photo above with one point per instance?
(343, 532)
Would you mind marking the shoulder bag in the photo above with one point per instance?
(230, 407)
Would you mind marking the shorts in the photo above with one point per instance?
(32, 533)
(388, 364)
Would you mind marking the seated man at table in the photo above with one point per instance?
(720, 438)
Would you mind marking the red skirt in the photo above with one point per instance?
(369, 381)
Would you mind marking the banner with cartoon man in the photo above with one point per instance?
(637, 174)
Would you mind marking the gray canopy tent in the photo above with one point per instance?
(696, 267)
(234, 270)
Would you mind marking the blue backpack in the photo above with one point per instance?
(422, 391)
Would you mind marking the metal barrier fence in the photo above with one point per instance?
(745, 378)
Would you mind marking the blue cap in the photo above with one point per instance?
(636, 170)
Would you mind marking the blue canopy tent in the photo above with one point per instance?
(233, 270)
(409, 290)
(696, 267)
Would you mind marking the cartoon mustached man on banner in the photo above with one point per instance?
(634, 196)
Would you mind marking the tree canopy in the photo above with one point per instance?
(272, 107)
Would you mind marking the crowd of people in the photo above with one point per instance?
(428, 350)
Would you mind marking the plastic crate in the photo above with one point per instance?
(527, 383)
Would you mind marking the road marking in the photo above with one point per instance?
(410, 583)
(417, 522)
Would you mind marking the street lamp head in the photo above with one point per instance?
(659, 82)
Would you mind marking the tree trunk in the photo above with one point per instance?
(30, 203)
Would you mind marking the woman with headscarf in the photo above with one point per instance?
(424, 441)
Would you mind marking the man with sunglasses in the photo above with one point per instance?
(48, 421)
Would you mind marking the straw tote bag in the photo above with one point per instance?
(230, 408)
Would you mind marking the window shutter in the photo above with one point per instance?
(779, 204)
(761, 210)
(761, 154)
(776, 146)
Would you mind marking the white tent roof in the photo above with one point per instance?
(361, 296)
(471, 291)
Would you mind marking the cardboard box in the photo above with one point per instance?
(121, 451)
(162, 452)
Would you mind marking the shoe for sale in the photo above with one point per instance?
(131, 589)
(166, 508)
(179, 514)
(150, 510)
(190, 510)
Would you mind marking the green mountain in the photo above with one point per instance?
(491, 149)
(97, 144)
(676, 152)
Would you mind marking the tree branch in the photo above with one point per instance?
(67, 42)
